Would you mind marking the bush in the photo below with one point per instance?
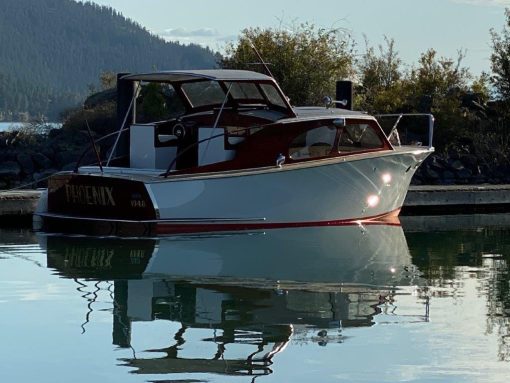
(306, 61)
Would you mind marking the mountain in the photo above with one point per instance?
(51, 51)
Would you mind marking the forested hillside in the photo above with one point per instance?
(51, 51)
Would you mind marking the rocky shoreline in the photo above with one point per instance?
(28, 158)
(460, 167)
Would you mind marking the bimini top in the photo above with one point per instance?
(203, 74)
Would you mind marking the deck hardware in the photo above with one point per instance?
(280, 160)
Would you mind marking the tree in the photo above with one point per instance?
(382, 83)
(108, 80)
(305, 61)
(439, 84)
(500, 59)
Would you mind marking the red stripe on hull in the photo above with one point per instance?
(390, 218)
(133, 228)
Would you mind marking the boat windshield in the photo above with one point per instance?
(204, 93)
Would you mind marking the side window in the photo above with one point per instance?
(157, 102)
(358, 137)
(313, 143)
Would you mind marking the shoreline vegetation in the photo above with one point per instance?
(472, 113)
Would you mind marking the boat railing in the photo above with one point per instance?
(205, 140)
(91, 147)
(415, 129)
(186, 149)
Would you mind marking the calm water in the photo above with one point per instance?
(425, 302)
(4, 126)
(8, 125)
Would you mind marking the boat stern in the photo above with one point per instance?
(76, 201)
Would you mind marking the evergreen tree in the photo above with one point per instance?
(50, 50)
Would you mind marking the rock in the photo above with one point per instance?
(14, 183)
(478, 179)
(453, 155)
(431, 174)
(26, 163)
(456, 165)
(41, 178)
(10, 169)
(69, 167)
(64, 158)
(464, 175)
(38, 176)
(448, 177)
(54, 133)
(484, 170)
(470, 161)
(99, 98)
(41, 161)
(437, 164)
(8, 155)
(28, 181)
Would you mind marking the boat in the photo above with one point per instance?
(223, 150)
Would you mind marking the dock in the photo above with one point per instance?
(18, 205)
(453, 199)
(420, 200)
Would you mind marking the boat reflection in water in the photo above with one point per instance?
(252, 293)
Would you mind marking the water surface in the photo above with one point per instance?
(425, 302)
(5, 126)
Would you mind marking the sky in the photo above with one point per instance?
(416, 25)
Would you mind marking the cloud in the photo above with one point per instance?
(206, 37)
(186, 33)
(490, 3)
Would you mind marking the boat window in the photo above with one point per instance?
(245, 90)
(202, 93)
(313, 143)
(273, 95)
(357, 137)
(157, 102)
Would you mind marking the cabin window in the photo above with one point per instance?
(313, 143)
(358, 137)
(203, 93)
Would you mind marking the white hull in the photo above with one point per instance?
(324, 192)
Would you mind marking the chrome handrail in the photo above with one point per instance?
(399, 118)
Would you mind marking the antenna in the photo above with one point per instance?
(260, 58)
